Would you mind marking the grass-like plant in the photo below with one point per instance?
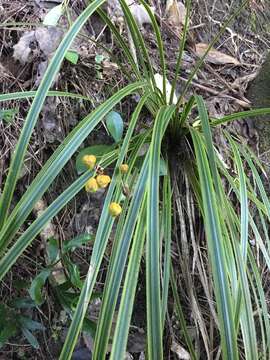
(144, 228)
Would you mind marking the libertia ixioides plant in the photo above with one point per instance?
(144, 229)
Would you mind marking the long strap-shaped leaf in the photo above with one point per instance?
(167, 228)
(245, 311)
(30, 94)
(154, 309)
(217, 256)
(244, 296)
(139, 42)
(203, 115)
(182, 44)
(117, 268)
(17, 159)
(118, 258)
(121, 42)
(102, 236)
(246, 315)
(240, 115)
(57, 161)
(157, 32)
(129, 290)
(257, 279)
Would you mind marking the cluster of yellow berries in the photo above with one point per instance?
(101, 182)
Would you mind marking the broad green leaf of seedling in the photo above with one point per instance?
(76, 242)
(72, 56)
(52, 250)
(37, 285)
(115, 125)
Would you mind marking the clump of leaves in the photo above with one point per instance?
(13, 321)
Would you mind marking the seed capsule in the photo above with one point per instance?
(115, 209)
(89, 161)
(91, 185)
(124, 168)
(103, 181)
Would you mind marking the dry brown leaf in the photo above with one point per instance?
(176, 13)
(215, 56)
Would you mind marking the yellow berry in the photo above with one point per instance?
(103, 181)
(89, 161)
(124, 168)
(115, 209)
(91, 185)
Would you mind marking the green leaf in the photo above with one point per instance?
(167, 228)
(129, 289)
(52, 17)
(98, 150)
(214, 234)
(36, 287)
(68, 300)
(52, 250)
(143, 54)
(153, 271)
(89, 327)
(30, 338)
(77, 242)
(117, 266)
(10, 329)
(163, 170)
(74, 274)
(22, 303)
(8, 115)
(8, 324)
(115, 125)
(30, 94)
(121, 44)
(72, 56)
(30, 324)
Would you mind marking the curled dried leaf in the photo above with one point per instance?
(215, 56)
